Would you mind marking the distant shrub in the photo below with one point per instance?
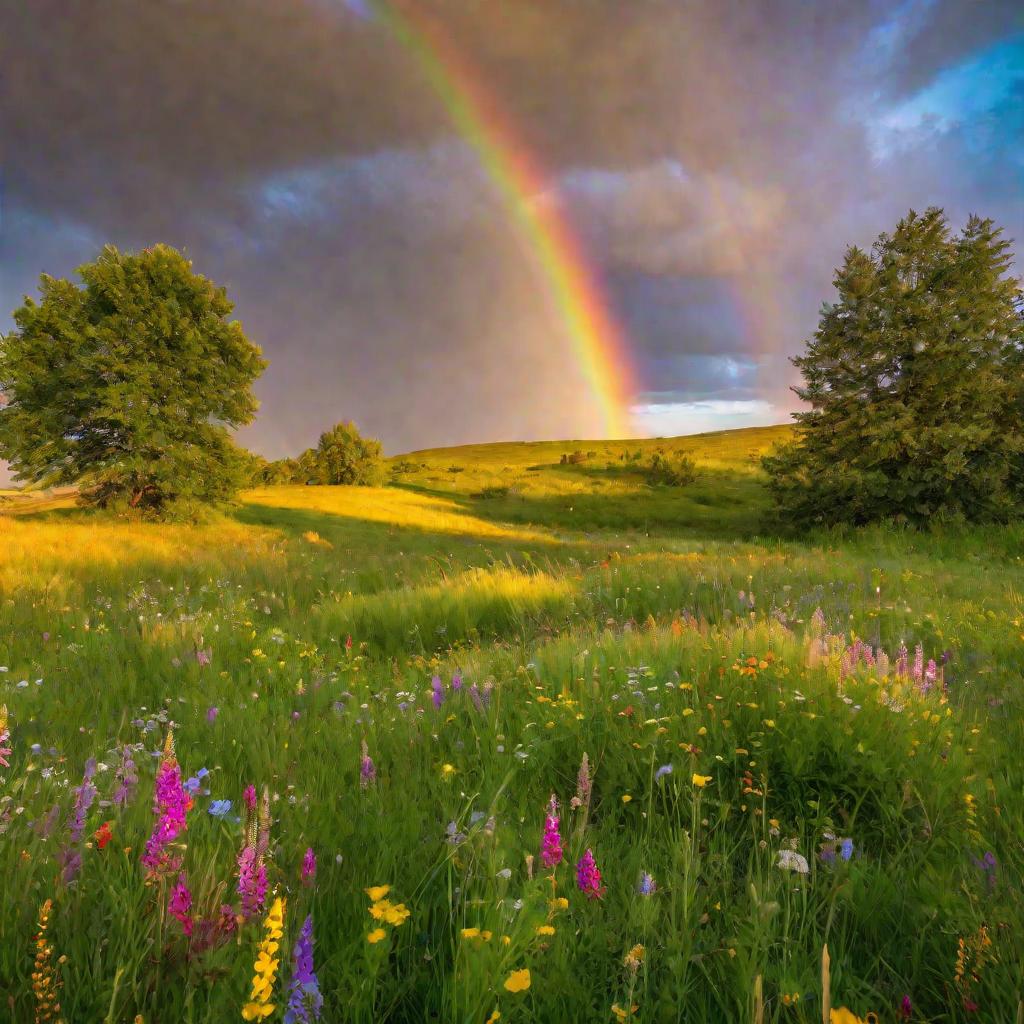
(404, 466)
(673, 472)
(456, 469)
(494, 491)
(573, 458)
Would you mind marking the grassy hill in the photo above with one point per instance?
(783, 792)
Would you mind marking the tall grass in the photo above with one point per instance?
(314, 620)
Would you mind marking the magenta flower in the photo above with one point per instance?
(250, 797)
(179, 906)
(252, 881)
(551, 844)
(437, 688)
(588, 877)
(308, 871)
(170, 805)
(211, 713)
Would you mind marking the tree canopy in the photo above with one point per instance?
(128, 384)
(915, 385)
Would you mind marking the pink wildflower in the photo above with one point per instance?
(588, 877)
(551, 844)
(170, 804)
(252, 881)
(179, 906)
(308, 872)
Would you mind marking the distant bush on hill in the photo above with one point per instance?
(343, 456)
(575, 458)
(678, 471)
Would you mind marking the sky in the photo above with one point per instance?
(711, 159)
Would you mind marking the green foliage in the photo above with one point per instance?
(679, 471)
(127, 386)
(342, 456)
(915, 382)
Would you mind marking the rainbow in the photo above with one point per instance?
(598, 341)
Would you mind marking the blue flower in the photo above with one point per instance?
(220, 808)
(846, 849)
(191, 786)
(647, 885)
(665, 769)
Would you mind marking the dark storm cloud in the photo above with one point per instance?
(716, 157)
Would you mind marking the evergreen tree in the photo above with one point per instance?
(127, 386)
(914, 384)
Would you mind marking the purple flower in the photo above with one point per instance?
(70, 858)
(308, 870)
(647, 885)
(204, 657)
(665, 769)
(125, 777)
(846, 848)
(551, 844)
(304, 998)
(906, 1008)
(474, 695)
(250, 797)
(84, 796)
(438, 691)
(588, 877)
(456, 683)
(211, 713)
(987, 865)
(367, 769)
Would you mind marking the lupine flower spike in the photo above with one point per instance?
(304, 998)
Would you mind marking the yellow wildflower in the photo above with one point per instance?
(518, 981)
(495, 1016)
(375, 936)
(377, 892)
(626, 798)
(265, 967)
(545, 929)
(700, 781)
(471, 933)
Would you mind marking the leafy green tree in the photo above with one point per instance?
(914, 382)
(343, 456)
(128, 385)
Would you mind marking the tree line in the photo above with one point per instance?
(130, 384)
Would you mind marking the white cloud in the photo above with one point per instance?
(667, 419)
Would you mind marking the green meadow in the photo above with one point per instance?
(768, 776)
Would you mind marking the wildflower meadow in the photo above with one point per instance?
(509, 740)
